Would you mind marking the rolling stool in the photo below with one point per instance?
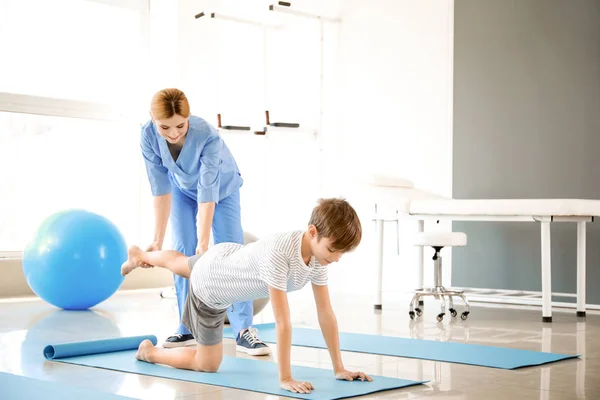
(439, 240)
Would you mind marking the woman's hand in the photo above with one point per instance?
(201, 248)
(155, 246)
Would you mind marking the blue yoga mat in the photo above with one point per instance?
(15, 387)
(461, 353)
(246, 374)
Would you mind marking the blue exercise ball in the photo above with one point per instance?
(74, 259)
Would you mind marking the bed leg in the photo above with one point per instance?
(420, 260)
(379, 263)
(546, 273)
(581, 267)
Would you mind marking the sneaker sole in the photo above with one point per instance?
(263, 351)
(172, 345)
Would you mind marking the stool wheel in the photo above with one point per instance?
(440, 317)
(464, 315)
(418, 312)
(453, 312)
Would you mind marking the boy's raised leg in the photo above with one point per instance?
(172, 260)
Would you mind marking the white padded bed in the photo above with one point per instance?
(417, 205)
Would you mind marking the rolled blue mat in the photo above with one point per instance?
(64, 350)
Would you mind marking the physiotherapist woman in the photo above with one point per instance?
(195, 182)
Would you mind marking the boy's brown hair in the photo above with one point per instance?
(336, 220)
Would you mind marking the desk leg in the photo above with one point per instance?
(546, 273)
(379, 262)
(581, 263)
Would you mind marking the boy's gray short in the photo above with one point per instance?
(204, 323)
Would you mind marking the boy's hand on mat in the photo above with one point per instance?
(350, 376)
(296, 386)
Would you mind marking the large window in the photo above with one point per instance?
(73, 75)
(51, 164)
(72, 49)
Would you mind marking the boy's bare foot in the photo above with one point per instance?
(143, 353)
(133, 260)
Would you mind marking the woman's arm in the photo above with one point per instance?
(162, 209)
(206, 212)
(160, 187)
(208, 189)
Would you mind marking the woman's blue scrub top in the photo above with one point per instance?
(205, 169)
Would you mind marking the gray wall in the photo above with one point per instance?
(526, 125)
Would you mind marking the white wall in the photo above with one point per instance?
(395, 110)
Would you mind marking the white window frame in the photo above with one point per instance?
(48, 106)
(54, 107)
(25, 104)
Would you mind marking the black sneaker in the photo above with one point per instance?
(179, 340)
(249, 343)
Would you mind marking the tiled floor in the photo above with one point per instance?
(25, 324)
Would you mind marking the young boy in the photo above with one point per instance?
(228, 273)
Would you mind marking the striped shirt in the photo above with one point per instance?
(229, 272)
